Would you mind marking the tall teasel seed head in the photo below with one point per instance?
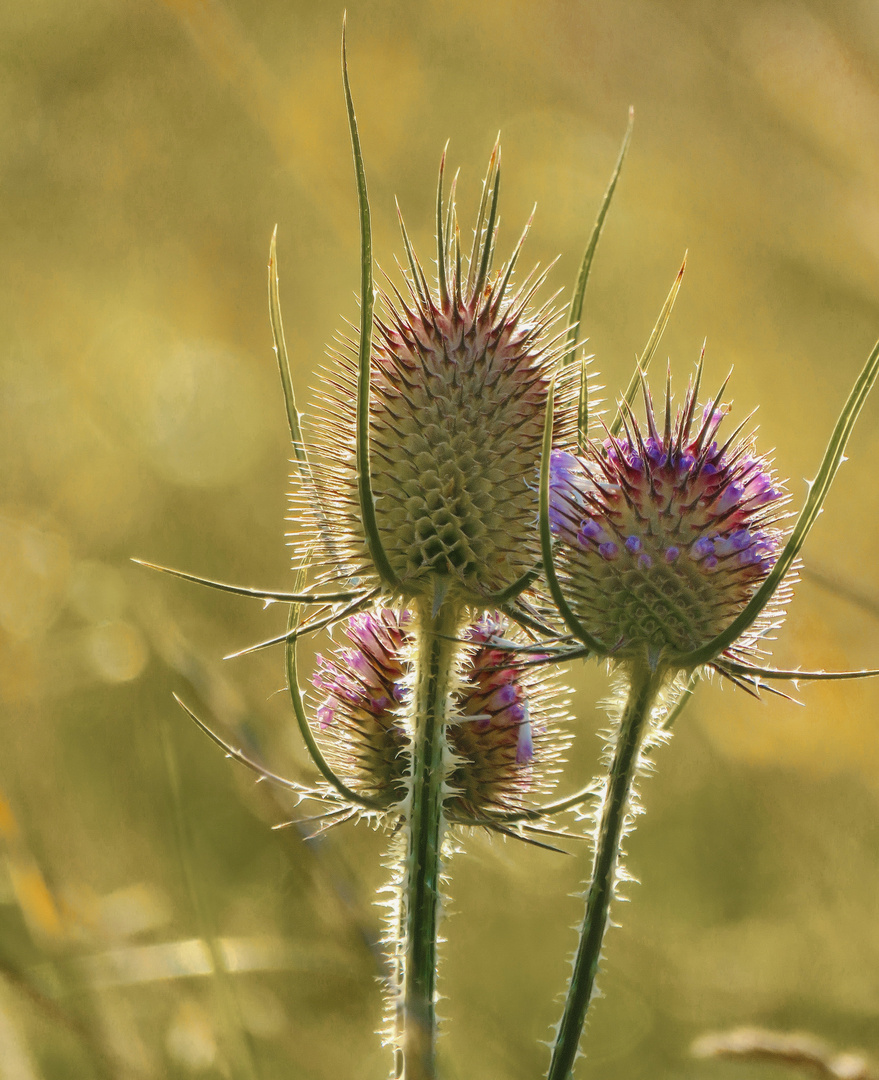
(502, 735)
(458, 382)
(666, 535)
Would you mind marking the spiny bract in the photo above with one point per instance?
(502, 732)
(458, 384)
(665, 537)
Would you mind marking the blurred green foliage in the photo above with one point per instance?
(147, 151)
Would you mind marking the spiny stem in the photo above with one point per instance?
(643, 692)
(434, 671)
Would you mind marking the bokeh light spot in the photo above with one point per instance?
(202, 420)
(190, 1041)
(33, 573)
(117, 651)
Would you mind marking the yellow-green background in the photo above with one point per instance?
(147, 149)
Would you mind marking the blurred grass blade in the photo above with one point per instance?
(239, 1051)
(649, 350)
(134, 965)
(367, 302)
(36, 901)
(818, 489)
(842, 589)
(16, 1060)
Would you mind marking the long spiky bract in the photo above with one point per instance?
(574, 624)
(238, 1050)
(643, 361)
(294, 420)
(300, 629)
(575, 312)
(367, 301)
(238, 755)
(259, 594)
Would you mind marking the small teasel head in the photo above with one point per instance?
(665, 533)
(362, 714)
(503, 735)
(458, 377)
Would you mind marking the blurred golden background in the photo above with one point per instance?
(147, 151)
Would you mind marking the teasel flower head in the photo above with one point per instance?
(503, 736)
(458, 374)
(666, 533)
(362, 715)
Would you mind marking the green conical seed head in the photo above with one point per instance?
(458, 385)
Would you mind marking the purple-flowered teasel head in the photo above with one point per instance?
(502, 736)
(365, 687)
(665, 535)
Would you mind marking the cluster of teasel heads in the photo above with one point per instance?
(458, 519)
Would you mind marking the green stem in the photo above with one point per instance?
(434, 670)
(613, 816)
